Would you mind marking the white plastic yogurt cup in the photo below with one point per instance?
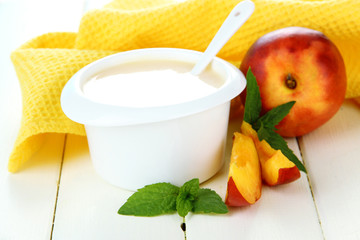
(133, 146)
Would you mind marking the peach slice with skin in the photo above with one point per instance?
(276, 168)
(244, 182)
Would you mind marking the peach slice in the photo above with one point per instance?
(276, 168)
(244, 182)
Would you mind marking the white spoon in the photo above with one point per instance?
(237, 17)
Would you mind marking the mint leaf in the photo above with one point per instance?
(187, 194)
(208, 201)
(253, 100)
(277, 142)
(274, 116)
(151, 200)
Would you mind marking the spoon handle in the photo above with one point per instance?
(237, 17)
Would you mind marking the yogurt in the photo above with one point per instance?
(150, 84)
(132, 145)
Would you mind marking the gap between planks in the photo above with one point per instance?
(298, 140)
(87, 5)
(58, 185)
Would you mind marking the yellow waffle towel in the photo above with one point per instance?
(46, 63)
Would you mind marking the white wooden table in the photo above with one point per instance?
(59, 196)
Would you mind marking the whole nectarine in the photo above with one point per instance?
(302, 65)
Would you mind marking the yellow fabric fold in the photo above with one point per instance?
(43, 66)
(46, 63)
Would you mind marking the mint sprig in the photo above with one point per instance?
(165, 198)
(265, 125)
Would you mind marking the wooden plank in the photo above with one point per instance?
(283, 212)
(87, 205)
(27, 199)
(87, 208)
(331, 154)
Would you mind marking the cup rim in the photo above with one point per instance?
(82, 109)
